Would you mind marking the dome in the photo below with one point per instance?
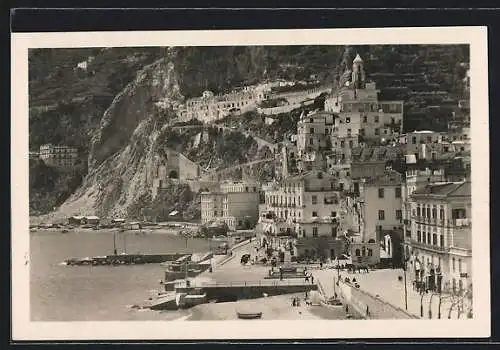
(358, 59)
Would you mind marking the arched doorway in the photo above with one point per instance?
(173, 174)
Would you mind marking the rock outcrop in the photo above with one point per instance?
(122, 158)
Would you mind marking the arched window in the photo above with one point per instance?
(363, 251)
(358, 252)
(371, 240)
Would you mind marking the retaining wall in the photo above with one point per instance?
(364, 304)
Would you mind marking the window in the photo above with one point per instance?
(348, 174)
(428, 238)
(370, 252)
(459, 265)
(341, 186)
(441, 240)
(423, 212)
(429, 139)
(314, 199)
(358, 252)
(441, 214)
(326, 131)
(418, 211)
(246, 189)
(453, 264)
(365, 119)
(376, 119)
(362, 132)
(334, 232)
(419, 236)
(423, 237)
(377, 131)
(311, 141)
(399, 214)
(381, 215)
(342, 144)
(380, 193)
(347, 120)
(315, 232)
(398, 192)
(351, 144)
(311, 130)
(315, 214)
(434, 239)
(414, 140)
(215, 213)
(333, 214)
(428, 212)
(434, 213)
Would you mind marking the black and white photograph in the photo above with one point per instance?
(239, 184)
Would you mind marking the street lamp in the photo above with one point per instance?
(405, 264)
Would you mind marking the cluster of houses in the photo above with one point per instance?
(351, 182)
(59, 156)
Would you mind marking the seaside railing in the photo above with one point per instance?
(264, 283)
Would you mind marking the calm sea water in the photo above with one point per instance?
(100, 293)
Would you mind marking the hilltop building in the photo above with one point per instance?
(361, 111)
(60, 156)
(210, 107)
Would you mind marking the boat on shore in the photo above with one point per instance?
(248, 315)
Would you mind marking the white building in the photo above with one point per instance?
(440, 248)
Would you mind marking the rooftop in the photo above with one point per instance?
(448, 189)
(390, 177)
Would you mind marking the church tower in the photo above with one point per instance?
(358, 73)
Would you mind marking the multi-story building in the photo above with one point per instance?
(416, 179)
(307, 207)
(60, 156)
(235, 203)
(440, 250)
(210, 107)
(359, 108)
(414, 140)
(381, 205)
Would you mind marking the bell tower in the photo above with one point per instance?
(358, 73)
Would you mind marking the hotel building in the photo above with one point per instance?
(440, 249)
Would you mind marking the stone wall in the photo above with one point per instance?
(364, 304)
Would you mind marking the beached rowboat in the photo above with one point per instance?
(249, 315)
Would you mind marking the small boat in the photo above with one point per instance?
(249, 315)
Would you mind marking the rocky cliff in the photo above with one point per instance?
(122, 157)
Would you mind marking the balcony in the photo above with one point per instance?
(431, 247)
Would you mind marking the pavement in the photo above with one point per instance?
(272, 308)
(386, 285)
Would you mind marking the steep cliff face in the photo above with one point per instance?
(123, 155)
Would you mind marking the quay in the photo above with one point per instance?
(123, 259)
(228, 280)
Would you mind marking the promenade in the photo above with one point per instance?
(385, 285)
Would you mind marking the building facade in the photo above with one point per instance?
(234, 203)
(381, 202)
(60, 156)
(440, 248)
(360, 110)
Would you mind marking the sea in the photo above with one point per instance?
(99, 293)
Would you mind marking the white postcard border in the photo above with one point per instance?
(24, 329)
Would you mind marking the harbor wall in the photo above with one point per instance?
(366, 305)
(233, 293)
